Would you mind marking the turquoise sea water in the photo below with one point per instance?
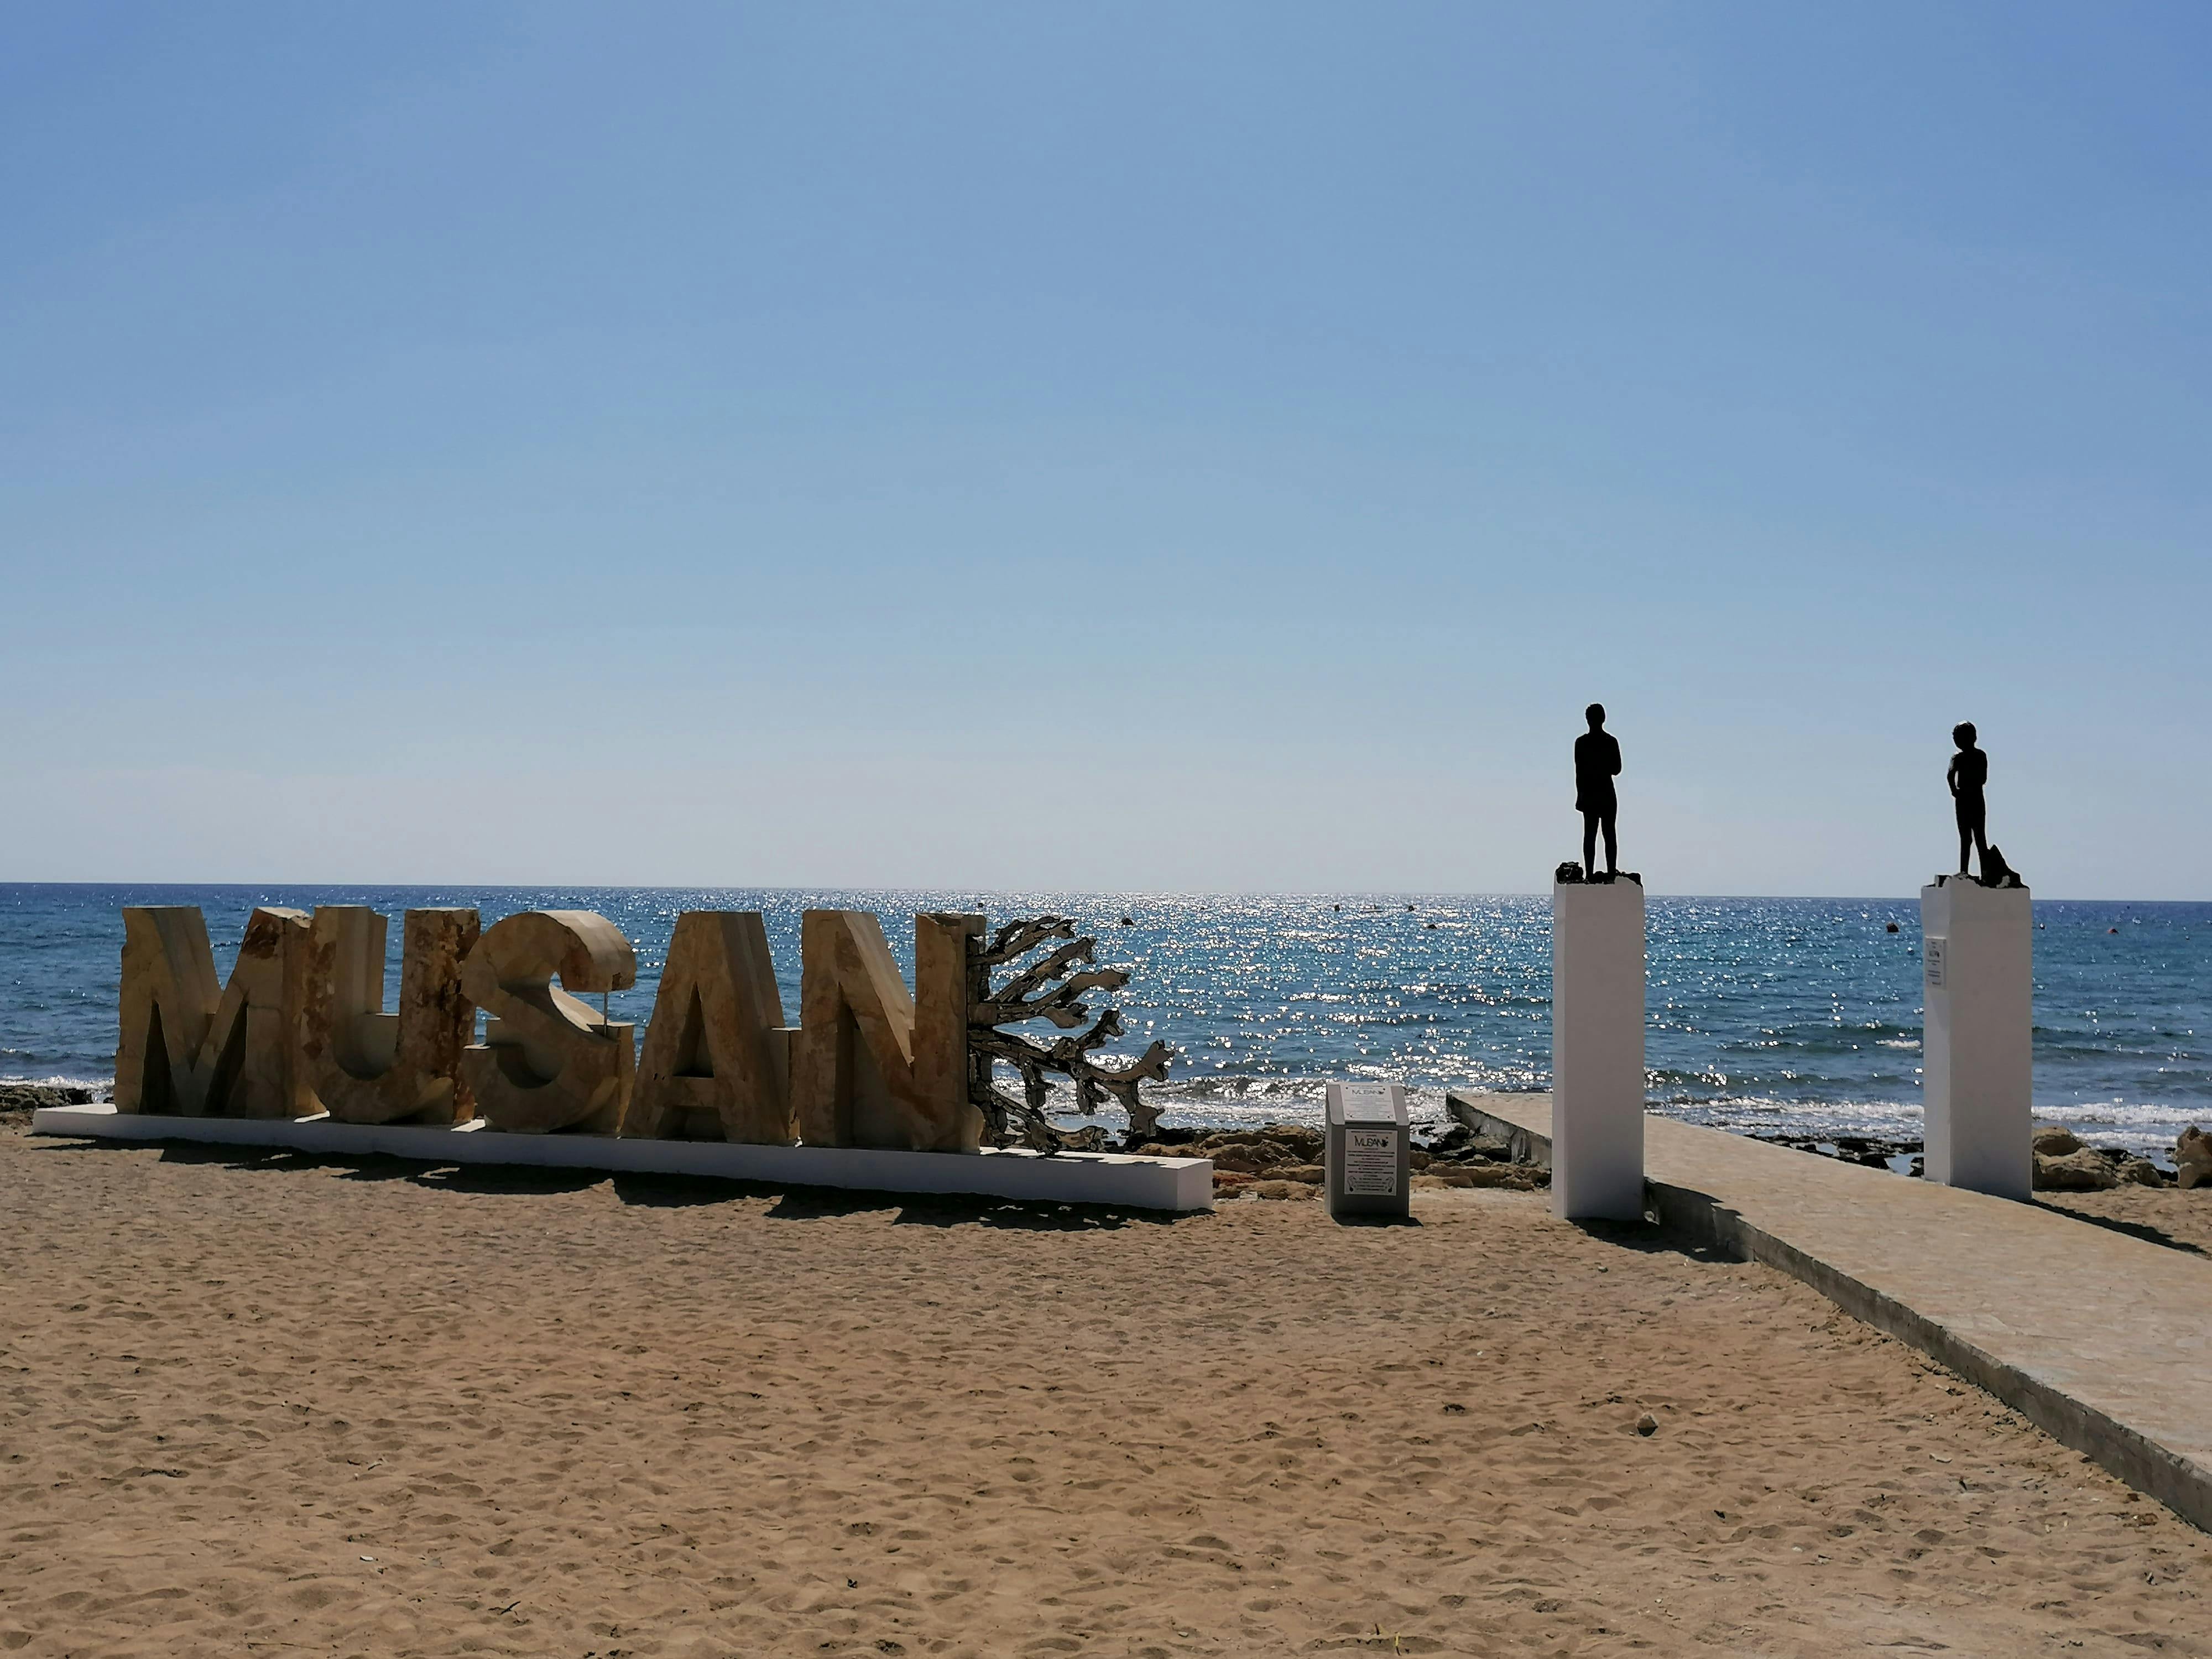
(1795, 1015)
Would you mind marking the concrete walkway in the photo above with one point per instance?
(2103, 1341)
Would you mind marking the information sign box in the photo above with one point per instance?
(1365, 1148)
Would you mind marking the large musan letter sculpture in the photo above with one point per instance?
(873, 1066)
(549, 1061)
(717, 1059)
(301, 1026)
(368, 1066)
(189, 1048)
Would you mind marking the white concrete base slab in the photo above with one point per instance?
(1131, 1183)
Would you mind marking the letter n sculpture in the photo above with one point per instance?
(873, 1065)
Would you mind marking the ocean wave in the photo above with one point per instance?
(100, 1085)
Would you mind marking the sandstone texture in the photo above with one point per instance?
(368, 1066)
(189, 1045)
(716, 1064)
(549, 1061)
(875, 1064)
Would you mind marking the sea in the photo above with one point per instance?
(1766, 1016)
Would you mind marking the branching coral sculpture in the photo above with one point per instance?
(1048, 989)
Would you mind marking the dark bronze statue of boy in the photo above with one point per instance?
(1598, 764)
(1969, 772)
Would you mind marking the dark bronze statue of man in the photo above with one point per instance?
(1969, 772)
(1598, 764)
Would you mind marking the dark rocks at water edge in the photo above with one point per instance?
(20, 1100)
(2063, 1162)
(1902, 1157)
(1284, 1161)
(1462, 1156)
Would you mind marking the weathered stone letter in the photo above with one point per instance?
(717, 1058)
(186, 1048)
(548, 1060)
(873, 1065)
(366, 1065)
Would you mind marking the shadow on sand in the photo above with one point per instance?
(1377, 1220)
(787, 1203)
(1652, 1238)
(2140, 1230)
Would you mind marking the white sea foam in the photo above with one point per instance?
(98, 1085)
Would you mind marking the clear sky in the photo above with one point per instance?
(1155, 446)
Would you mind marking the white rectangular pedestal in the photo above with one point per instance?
(1597, 1050)
(1978, 1047)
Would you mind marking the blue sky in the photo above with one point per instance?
(1125, 446)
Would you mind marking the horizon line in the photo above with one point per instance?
(1402, 893)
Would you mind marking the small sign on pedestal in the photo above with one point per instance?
(1367, 1145)
(1597, 1049)
(1977, 1050)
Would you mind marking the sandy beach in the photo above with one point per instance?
(2167, 1215)
(250, 1403)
